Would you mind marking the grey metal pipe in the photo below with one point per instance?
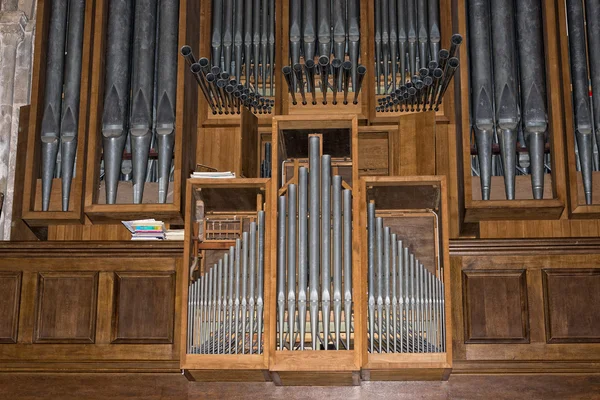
(407, 303)
(142, 89)
(291, 262)
(252, 284)
(256, 42)
(260, 278)
(392, 15)
(451, 67)
(314, 143)
(281, 266)
(411, 12)
(230, 298)
(402, 38)
(433, 18)
(237, 302)
(385, 42)
(224, 302)
(336, 66)
(271, 46)
(227, 38)
(117, 89)
(50, 128)
(324, 27)
(70, 104)
(347, 72)
(422, 33)
(347, 200)
(300, 81)
(371, 227)
(379, 277)
(394, 272)
(482, 97)
(386, 284)
(336, 201)
(325, 245)
(248, 13)
(238, 37)
(353, 38)
(302, 251)
(362, 70)
(338, 15)
(412, 300)
(166, 90)
(378, 45)
(219, 282)
(580, 88)
(505, 88)
(309, 66)
(309, 23)
(264, 39)
(295, 30)
(245, 245)
(217, 29)
(287, 74)
(324, 72)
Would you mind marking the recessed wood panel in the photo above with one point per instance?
(495, 306)
(10, 294)
(572, 305)
(66, 307)
(144, 308)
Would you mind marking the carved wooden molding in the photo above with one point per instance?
(491, 307)
(524, 247)
(9, 307)
(572, 305)
(66, 307)
(88, 249)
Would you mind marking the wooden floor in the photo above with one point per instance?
(175, 387)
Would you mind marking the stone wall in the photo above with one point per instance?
(17, 32)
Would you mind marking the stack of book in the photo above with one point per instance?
(146, 229)
(213, 175)
(174, 234)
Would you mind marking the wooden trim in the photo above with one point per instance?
(18, 277)
(92, 249)
(524, 247)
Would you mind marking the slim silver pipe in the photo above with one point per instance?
(313, 236)
(261, 277)
(219, 280)
(371, 271)
(394, 282)
(325, 245)
(443, 315)
(252, 283)
(225, 299)
(412, 303)
(238, 254)
(379, 288)
(291, 262)
(347, 199)
(386, 284)
(190, 332)
(336, 201)
(230, 298)
(205, 313)
(212, 293)
(245, 246)
(302, 251)
(402, 266)
(281, 264)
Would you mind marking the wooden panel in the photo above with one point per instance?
(249, 144)
(144, 307)
(495, 306)
(373, 153)
(10, 295)
(220, 148)
(572, 305)
(66, 307)
(412, 148)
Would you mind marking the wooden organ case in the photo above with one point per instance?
(500, 286)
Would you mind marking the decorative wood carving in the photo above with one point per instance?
(572, 305)
(495, 306)
(10, 295)
(144, 307)
(66, 307)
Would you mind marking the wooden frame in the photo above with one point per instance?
(229, 367)
(315, 367)
(32, 189)
(203, 49)
(361, 109)
(577, 206)
(185, 127)
(446, 111)
(552, 208)
(405, 366)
